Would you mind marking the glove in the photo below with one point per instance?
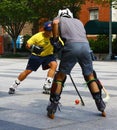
(36, 49)
(57, 43)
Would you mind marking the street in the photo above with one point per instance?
(26, 110)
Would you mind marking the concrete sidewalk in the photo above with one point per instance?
(26, 110)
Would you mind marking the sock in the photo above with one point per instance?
(16, 83)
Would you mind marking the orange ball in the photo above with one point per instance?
(77, 101)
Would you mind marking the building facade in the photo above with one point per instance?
(93, 11)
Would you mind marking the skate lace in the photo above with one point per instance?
(59, 106)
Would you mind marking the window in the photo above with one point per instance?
(93, 14)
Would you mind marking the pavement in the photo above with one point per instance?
(26, 110)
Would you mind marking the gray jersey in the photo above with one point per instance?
(72, 30)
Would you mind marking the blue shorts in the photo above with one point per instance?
(76, 53)
(34, 62)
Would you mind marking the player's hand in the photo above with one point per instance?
(57, 43)
(36, 49)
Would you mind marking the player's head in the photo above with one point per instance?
(65, 13)
(48, 26)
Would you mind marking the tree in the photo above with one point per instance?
(50, 9)
(13, 16)
(15, 13)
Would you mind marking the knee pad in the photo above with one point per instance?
(64, 81)
(97, 80)
(98, 94)
(57, 83)
(94, 80)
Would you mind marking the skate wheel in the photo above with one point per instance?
(51, 116)
(46, 92)
(104, 114)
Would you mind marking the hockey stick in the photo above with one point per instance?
(76, 90)
(107, 96)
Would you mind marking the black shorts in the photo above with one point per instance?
(34, 62)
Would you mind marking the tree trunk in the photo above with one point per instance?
(14, 46)
(35, 28)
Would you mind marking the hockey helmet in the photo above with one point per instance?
(65, 13)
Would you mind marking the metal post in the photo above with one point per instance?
(110, 32)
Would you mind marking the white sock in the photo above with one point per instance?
(15, 84)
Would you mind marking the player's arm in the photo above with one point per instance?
(55, 28)
(57, 44)
(56, 40)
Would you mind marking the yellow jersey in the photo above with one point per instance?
(40, 40)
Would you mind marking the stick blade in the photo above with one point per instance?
(106, 99)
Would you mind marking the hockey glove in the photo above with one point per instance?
(36, 49)
(57, 43)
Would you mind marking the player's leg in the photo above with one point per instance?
(85, 62)
(51, 64)
(56, 90)
(20, 78)
(95, 89)
(50, 75)
(66, 64)
(32, 65)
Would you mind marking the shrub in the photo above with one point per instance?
(100, 45)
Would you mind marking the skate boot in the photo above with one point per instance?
(51, 109)
(47, 86)
(46, 90)
(11, 91)
(100, 103)
(13, 87)
(101, 106)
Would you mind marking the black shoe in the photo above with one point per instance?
(11, 91)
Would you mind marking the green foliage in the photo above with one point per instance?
(101, 44)
(15, 13)
(50, 9)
